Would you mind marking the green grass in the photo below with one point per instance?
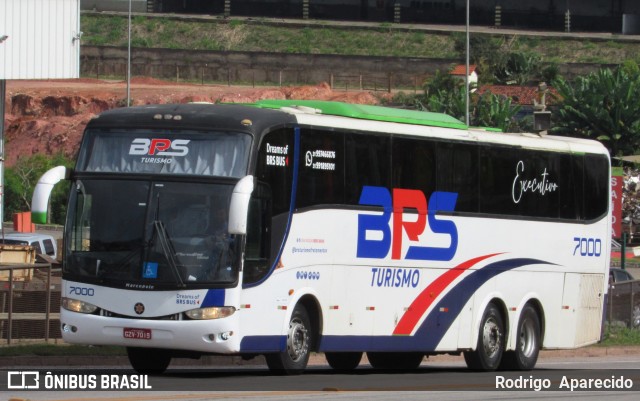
(617, 336)
(381, 40)
(629, 262)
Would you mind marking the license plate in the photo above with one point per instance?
(137, 334)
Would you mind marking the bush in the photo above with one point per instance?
(21, 179)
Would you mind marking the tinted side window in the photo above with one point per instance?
(529, 183)
(497, 171)
(457, 171)
(270, 203)
(596, 186)
(569, 188)
(621, 276)
(414, 164)
(36, 246)
(577, 170)
(367, 162)
(321, 170)
(258, 252)
(275, 167)
(539, 181)
(48, 247)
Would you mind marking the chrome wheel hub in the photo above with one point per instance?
(297, 340)
(491, 338)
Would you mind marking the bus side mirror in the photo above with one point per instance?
(42, 192)
(239, 207)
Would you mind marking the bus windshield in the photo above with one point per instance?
(150, 234)
(219, 154)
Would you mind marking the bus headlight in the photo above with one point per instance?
(214, 312)
(75, 305)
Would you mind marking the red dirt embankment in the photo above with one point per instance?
(48, 117)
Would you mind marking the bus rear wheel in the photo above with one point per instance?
(343, 360)
(395, 360)
(149, 361)
(527, 349)
(300, 338)
(490, 346)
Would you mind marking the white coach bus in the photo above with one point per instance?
(289, 227)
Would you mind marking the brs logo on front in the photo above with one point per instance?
(376, 245)
(159, 147)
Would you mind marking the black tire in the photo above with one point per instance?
(528, 334)
(343, 360)
(395, 360)
(300, 339)
(149, 361)
(490, 346)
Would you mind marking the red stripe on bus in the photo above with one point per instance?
(420, 305)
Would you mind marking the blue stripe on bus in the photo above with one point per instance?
(263, 344)
(213, 298)
(434, 327)
(428, 335)
(436, 324)
(370, 343)
(292, 205)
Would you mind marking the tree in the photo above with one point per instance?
(20, 181)
(604, 106)
(481, 47)
(500, 60)
(445, 94)
(442, 94)
(496, 111)
(515, 68)
(451, 102)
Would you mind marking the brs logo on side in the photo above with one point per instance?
(159, 147)
(378, 225)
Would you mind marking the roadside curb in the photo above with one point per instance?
(120, 361)
(594, 351)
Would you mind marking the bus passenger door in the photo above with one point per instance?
(270, 205)
(257, 249)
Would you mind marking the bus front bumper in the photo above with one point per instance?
(209, 336)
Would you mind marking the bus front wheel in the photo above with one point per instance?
(300, 336)
(149, 360)
(490, 346)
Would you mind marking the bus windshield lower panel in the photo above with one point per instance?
(150, 235)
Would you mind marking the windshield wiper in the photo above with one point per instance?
(165, 244)
(122, 262)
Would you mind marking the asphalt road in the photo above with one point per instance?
(447, 380)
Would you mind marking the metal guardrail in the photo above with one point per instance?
(29, 295)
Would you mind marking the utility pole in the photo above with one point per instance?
(3, 91)
(129, 60)
(466, 76)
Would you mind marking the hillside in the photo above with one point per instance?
(48, 117)
(346, 38)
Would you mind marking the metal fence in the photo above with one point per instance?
(29, 303)
(623, 304)
(202, 74)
